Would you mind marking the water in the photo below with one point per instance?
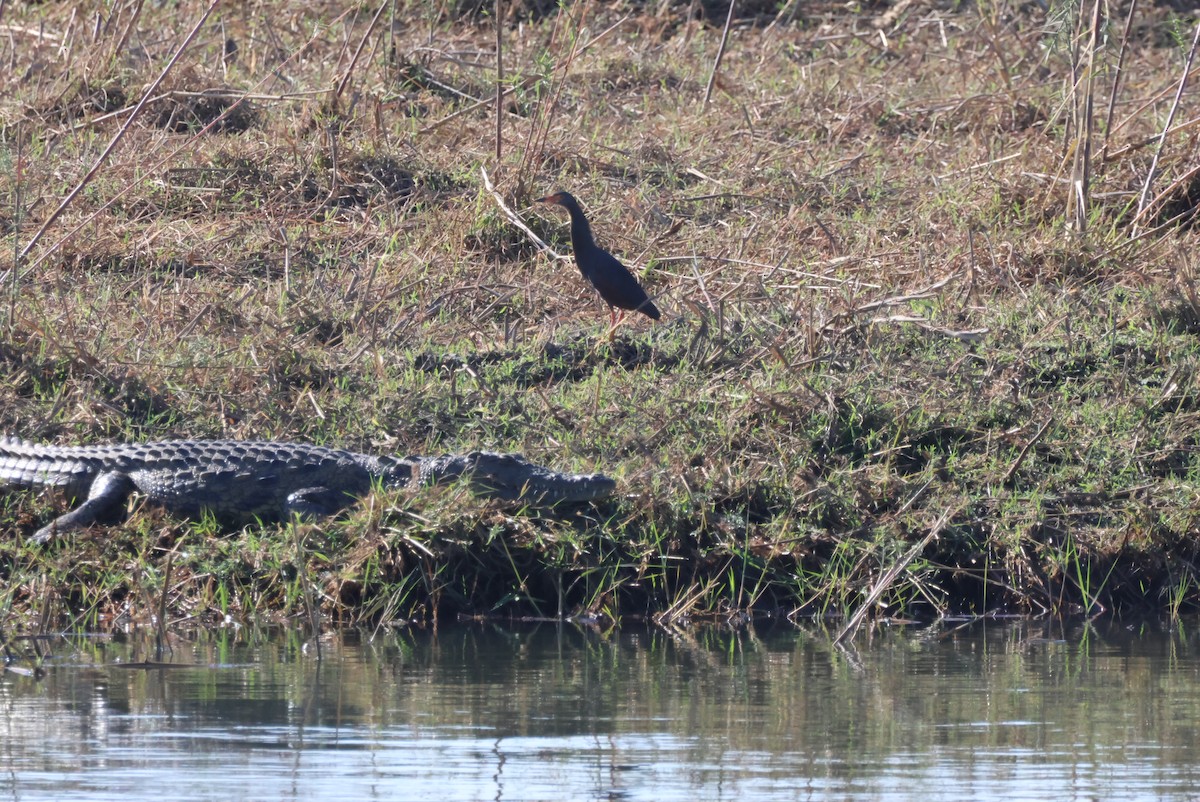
(984, 712)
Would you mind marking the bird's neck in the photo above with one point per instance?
(581, 232)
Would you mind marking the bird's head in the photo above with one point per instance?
(558, 199)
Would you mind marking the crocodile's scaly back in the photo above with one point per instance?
(240, 481)
(236, 481)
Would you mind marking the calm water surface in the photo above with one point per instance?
(984, 712)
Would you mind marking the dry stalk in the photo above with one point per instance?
(1145, 194)
(1150, 140)
(541, 121)
(103, 157)
(1116, 84)
(514, 218)
(500, 9)
(18, 209)
(1016, 465)
(1084, 127)
(131, 186)
(525, 84)
(712, 78)
(119, 44)
(341, 87)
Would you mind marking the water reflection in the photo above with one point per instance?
(986, 711)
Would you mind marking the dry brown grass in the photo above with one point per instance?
(293, 240)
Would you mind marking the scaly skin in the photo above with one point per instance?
(239, 482)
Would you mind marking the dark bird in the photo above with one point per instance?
(614, 282)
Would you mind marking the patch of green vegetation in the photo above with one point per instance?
(886, 313)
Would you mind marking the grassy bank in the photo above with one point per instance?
(929, 331)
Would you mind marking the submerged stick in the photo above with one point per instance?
(310, 607)
(888, 578)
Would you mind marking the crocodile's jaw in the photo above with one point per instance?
(512, 477)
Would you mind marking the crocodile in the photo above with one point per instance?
(240, 482)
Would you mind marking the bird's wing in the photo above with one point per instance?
(616, 285)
